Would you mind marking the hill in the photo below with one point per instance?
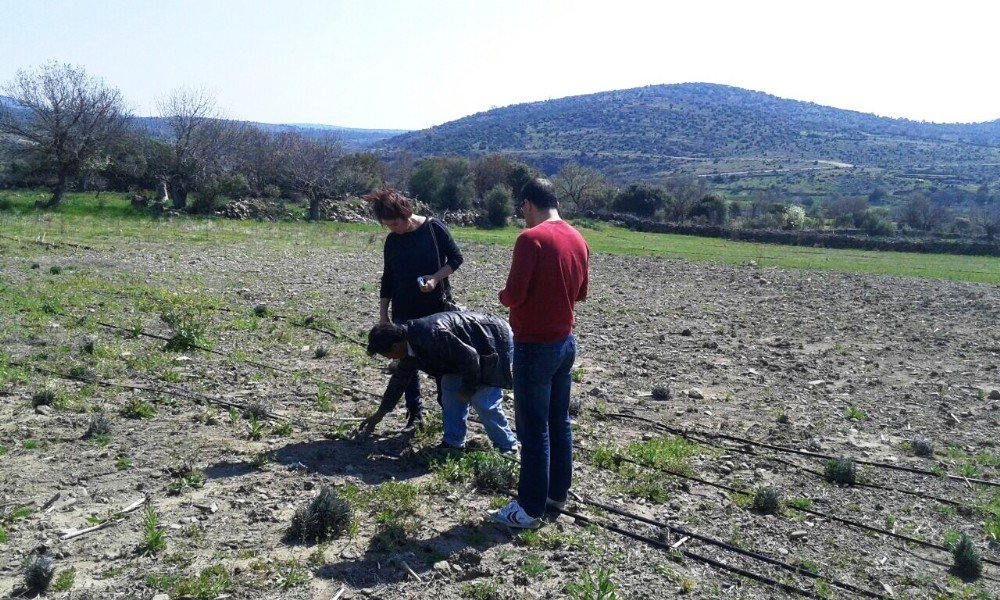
(725, 133)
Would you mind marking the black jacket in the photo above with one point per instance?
(477, 347)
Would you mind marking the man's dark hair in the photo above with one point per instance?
(540, 192)
(383, 337)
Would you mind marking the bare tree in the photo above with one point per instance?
(63, 120)
(198, 139)
(309, 167)
(578, 186)
(684, 192)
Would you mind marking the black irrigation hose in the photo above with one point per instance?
(684, 432)
(49, 244)
(816, 513)
(735, 549)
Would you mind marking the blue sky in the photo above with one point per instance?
(413, 64)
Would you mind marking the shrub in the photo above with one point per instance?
(100, 425)
(38, 575)
(326, 517)
(593, 586)
(922, 447)
(187, 323)
(499, 205)
(44, 397)
(767, 500)
(662, 392)
(155, 539)
(841, 471)
(968, 562)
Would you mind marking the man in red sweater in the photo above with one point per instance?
(548, 275)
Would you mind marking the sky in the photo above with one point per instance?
(411, 64)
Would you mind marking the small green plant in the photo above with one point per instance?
(55, 269)
(38, 575)
(578, 374)
(255, 428)
(487, 470)
(593, 586)
(207, 585)
(284, 430)
(3, 536)
(767, 500)
(841, 471)
(482, 590)
(155, 538)
(856, 414)
(188, 322)
(291, 574)
(326, 517)
(65, 579)
(137, 409)
(124, 463)
(533, 567)
(186, 477)
(968, 562)
(666, 453)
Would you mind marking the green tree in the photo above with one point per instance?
(499, 205)
(640, 199)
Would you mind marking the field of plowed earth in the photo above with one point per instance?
(184, 387)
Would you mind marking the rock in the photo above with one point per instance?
(696, 394)
(442, 566)
(686, 333)
(161, 597)
(798, 535)
(44, 410)
(994, 395)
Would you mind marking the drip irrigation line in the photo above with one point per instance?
(735, 549)
(712, 434)
(581, 520)
(50, 244)
(816, 513)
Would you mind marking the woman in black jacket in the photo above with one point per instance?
(418, 257)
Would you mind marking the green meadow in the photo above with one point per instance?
(108, 222)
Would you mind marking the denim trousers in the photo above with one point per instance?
(542, 380)
(488, 404)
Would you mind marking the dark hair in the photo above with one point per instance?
(383, 337)
(389, 204)
(540, 192)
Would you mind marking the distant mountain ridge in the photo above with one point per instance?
(663, 130)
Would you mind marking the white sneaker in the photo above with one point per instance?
(513, 515)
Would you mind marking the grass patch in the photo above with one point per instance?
(488, 471)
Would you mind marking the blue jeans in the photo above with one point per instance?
(488, 404)
(542, 382)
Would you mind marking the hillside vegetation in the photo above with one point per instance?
(713, 130)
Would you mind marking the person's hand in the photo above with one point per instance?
(367, 427)
(429, 284)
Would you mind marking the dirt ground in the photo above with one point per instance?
(837, 364)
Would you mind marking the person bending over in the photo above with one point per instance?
(470, 352)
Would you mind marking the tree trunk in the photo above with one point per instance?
(57, 191)
(178, 193)
(313, 208)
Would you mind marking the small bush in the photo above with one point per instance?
(921, 446)
(662, 392)
(487, 470)
(261, 310)
(321, 351)
(187, 322)
(64, 582)
(88, 345)
(968, 562)
(209, 584)
(100, 425)
(38, 575)
(137, 409)
(257, 409)
(767, 500)
(841, 471)
(326, 517)
(155, 539)
(44, 397)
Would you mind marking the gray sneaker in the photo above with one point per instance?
(514, 516)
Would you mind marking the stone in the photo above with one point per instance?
(44, 410)
(798, 535)
(994, 395)
(696, 394)
(442, 566)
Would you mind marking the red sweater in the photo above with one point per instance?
(548, 274)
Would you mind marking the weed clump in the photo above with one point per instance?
(921, 446)
(326, 517)
(488, 471)
(593, 586)
(662, 392)
(100, 425)
(88, 345)
(44, 397)
(38, 575)
(841, 471)
(968, 562)
(257, 409)
(767, 500)
(321, 351)
(575, 406)
(261, 310)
